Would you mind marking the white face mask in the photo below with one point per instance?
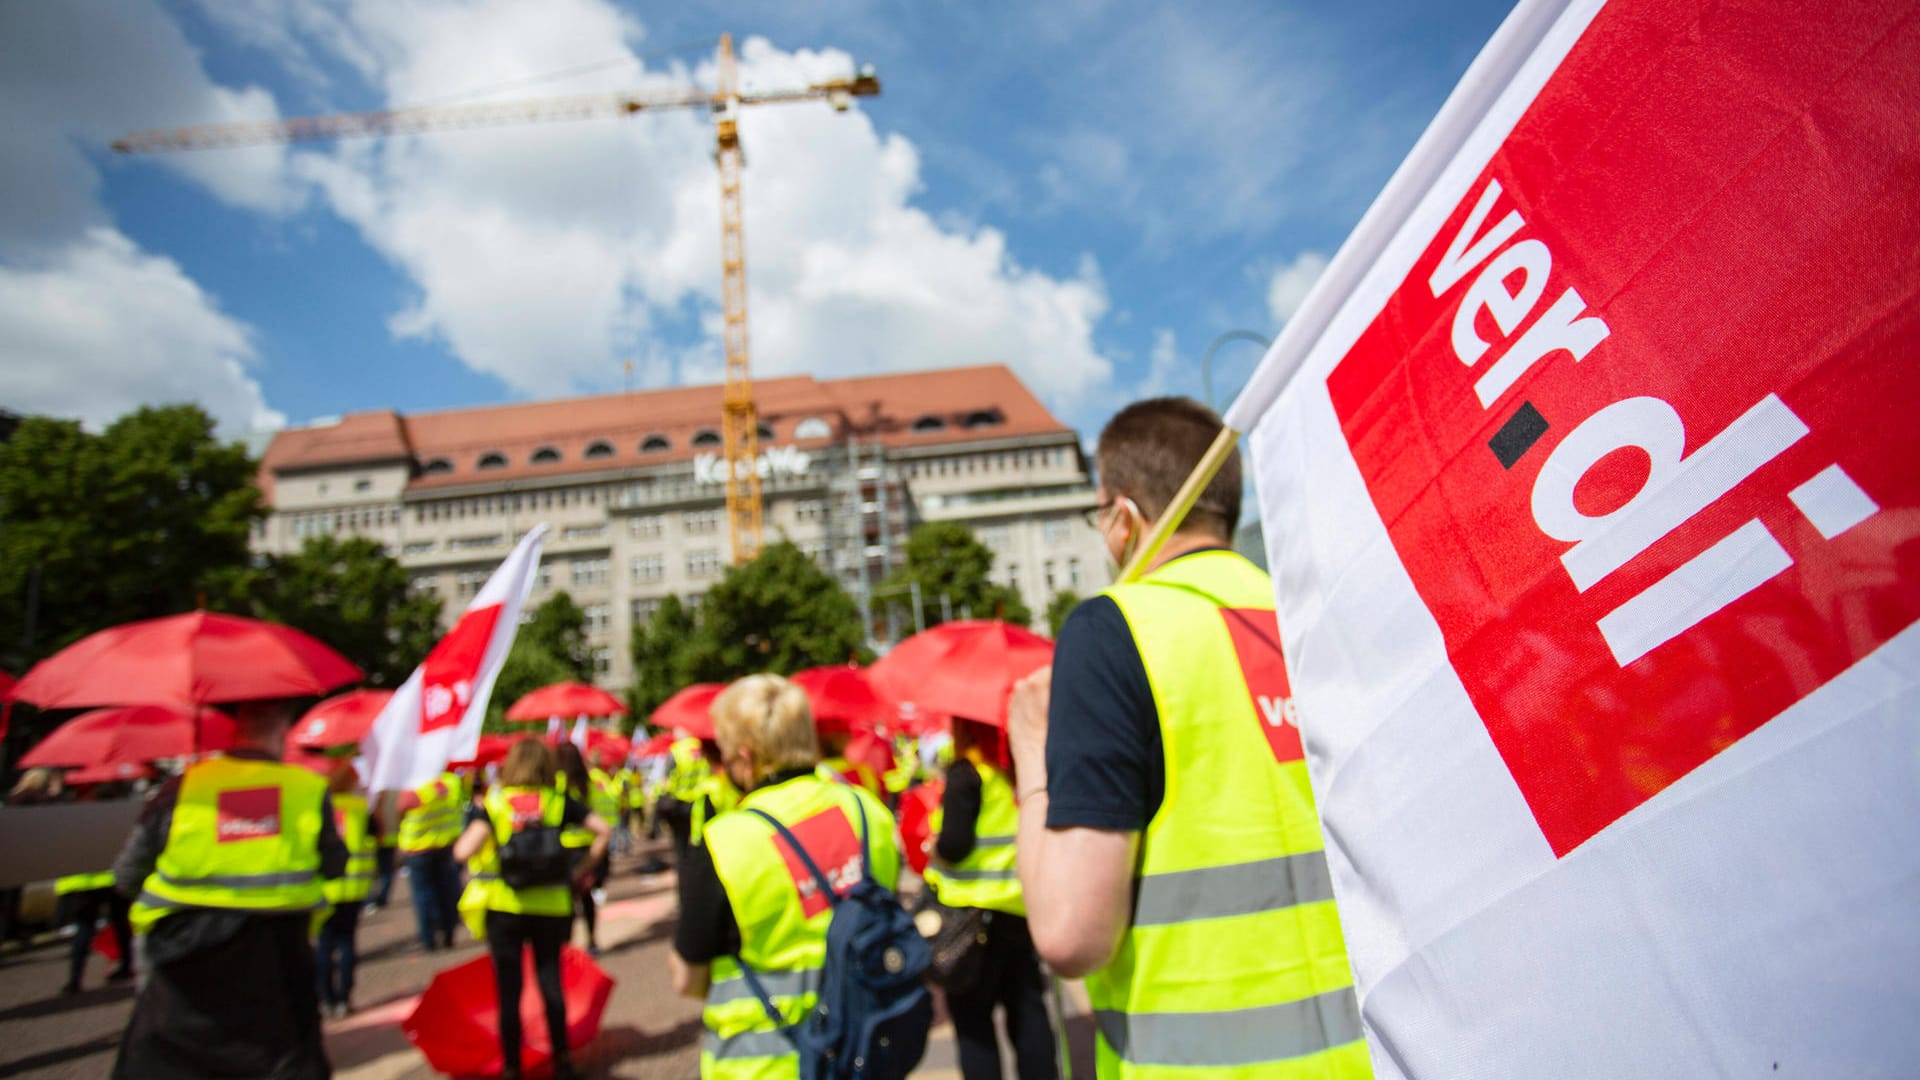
(1120, 507)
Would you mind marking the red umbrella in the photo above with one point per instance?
(916, 822)
(489, 750)
(107, 774)
(341, 720)
(917, 719)
(688, 710)
(656, 746)
(844, 699)
(456, 1023)
(131, 734)
(566, 699)
(187, 660)
(964, 668)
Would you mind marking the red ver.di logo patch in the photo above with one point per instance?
(247, 814)
(829, 839)
(1256, 641)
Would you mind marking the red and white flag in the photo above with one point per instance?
(1590, 478)
(436, 714)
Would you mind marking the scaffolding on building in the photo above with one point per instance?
(866, 521)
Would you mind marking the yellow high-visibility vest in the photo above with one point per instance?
(1234, 964)
(986, 878)
(350, 818)
(435, 823)
(603, 795)
(501, 814)
(79, 883)
(783, 921)
(245, 836)
(718, 791)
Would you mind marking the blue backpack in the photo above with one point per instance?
(874, 1010)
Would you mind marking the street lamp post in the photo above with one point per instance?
(1206, 362)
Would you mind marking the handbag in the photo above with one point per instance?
(958, 938)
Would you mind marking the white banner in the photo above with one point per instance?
(1591, 514)
(435, 716)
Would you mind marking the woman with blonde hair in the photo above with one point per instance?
(522, 816)
(743, 902)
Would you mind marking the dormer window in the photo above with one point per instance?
(813, 428)
(983, 418)
(546, 455)
(927, 424)
(705, 437)
(655, 444)
(764, 432)
(436, 467)
(598, 448)
(492, 459)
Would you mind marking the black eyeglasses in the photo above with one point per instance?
(1099, 512)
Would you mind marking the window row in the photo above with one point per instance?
(999, 461)
(813, 427)
(327, 522)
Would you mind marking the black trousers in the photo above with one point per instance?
(85, 909)
(507, 936)
(1010, 978)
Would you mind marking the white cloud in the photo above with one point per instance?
(550, 254)
(1291, 283)
(103, 328)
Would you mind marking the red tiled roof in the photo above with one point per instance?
(882, 406)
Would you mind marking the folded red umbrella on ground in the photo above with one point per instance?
(916, 822)
(687, 710)
(965, 668)
(844, 699)
(131, 735)
(566, 699)
(456, 1022)
(106, 944)
(187, 660)
(341, 720)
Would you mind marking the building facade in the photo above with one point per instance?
(631, 488)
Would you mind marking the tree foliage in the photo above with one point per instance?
(349, 593)
(550, 647)
(658, 647)
(946, 560)
(1059, 608)
(133, 523)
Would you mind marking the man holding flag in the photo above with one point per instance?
(1177, 861)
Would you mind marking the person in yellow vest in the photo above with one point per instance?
(741, 900)
(835, 734)
(603, 798)
(714, 796)
(576, 782)
(225, 866)
(385, 860)
(973, 867)
(1169, 851)
(86, 898)
(538, 917)
(692, 764)
(334, 943)
(430, 817)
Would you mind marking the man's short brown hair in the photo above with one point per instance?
(1147, 450)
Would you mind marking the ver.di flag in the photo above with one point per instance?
(436, 714)
(1590, 478)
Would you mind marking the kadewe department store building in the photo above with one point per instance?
(631, 485)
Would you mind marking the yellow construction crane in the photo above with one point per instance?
(740, 422)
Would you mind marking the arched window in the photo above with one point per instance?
(655, 444)
(598, 448)
(546, 455)
(929, 423)
(706, 436)
(436, 467)
(764, 432)
(492, 459)
(813, 428)
(983, 418)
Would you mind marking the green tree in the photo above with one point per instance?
(1059, 608)
(780, 612)
(658, 647)
(133, 523)
(349, 593)
(559, 626)
(530, 665)
(945, 559)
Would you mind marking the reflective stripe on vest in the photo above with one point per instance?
(435, 823)
(783, 936)
(539, 899)
(350, 819)
(1234, 959)
(987, 877)
(245, 836)
(77, 883)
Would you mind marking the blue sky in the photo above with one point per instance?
(1088, 192)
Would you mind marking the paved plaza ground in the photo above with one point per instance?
(648, 1034)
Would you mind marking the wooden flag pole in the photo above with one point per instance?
(1183, 500)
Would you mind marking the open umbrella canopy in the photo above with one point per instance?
(656, 746)
(490, 750)
(566, 699)
(963, 668)
(200, 658)
(916, 823)
(456, 1022)
(131, 735)
(6, 685)
(341, 720)
(687, 710)
(108, 774)
(844, 699)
